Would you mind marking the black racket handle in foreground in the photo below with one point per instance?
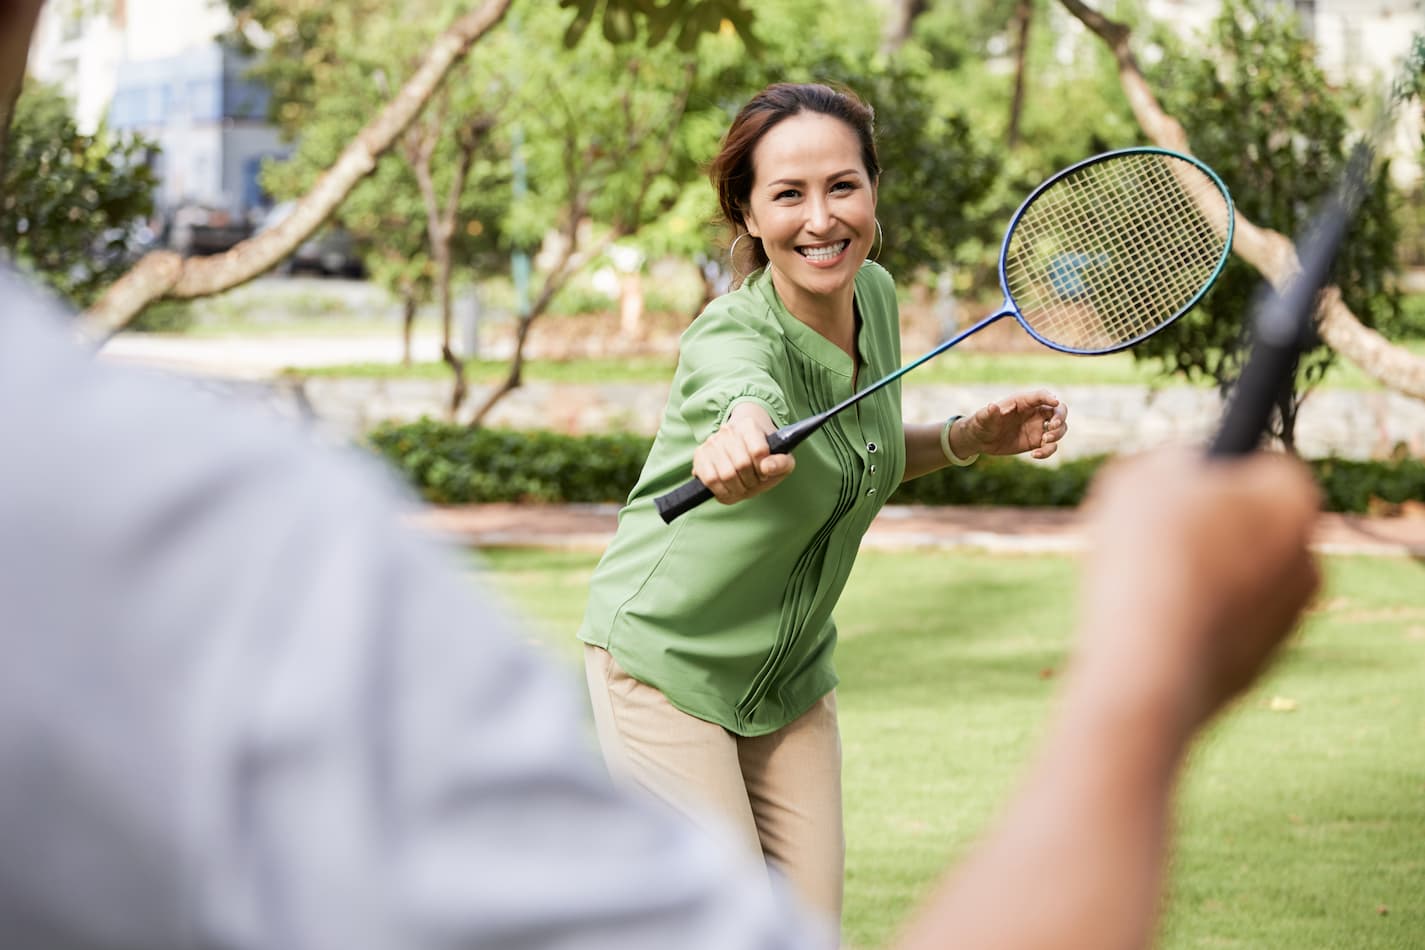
(693, 492)
(1284, 327)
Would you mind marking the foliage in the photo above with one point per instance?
(347, 69)
(1362, 487)
(621, 19)
(1003, 481)
(72, 202)
(1236, 101)
(1073, 102)
(1073, 106)
(164, 316)
(935, 168)
(451, 464)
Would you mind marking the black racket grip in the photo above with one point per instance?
(693, 492)
(1267, 372)
(682, 499)
(1284, 329)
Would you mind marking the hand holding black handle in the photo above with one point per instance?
(693, 492)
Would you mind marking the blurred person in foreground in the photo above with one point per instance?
(244, 706)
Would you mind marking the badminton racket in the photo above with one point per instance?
(1100, 256)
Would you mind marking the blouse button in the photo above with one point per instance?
(870, 447)
(870, 491)
(873, 469)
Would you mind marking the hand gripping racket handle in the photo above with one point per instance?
(693, 492)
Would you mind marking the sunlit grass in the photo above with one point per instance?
(1301, 813)
(966, 368)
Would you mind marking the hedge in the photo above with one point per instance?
(451, 464)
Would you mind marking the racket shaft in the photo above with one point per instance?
(1283, 328)
(1261, 384)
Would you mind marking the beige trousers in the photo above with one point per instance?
(781, 792)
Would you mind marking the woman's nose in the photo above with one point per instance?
(819, 214)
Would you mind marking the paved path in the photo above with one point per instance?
(898, 527)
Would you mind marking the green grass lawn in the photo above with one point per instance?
(964, 368)
(1302, 812)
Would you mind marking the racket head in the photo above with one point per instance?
(1114, 248)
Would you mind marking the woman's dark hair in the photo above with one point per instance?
(731, 170)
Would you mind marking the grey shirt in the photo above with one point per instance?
(242, 706)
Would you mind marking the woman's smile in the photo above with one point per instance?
(824, 254)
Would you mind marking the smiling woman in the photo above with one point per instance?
(709, 643)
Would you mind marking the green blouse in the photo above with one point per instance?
(727, 611)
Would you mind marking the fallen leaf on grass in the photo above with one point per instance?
(1281, 704)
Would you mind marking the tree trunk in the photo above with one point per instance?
(408, 323)
(17, 26)
(630, 305)
(1272, 254)
(559, 275)
(162, 274)
(1023, 16)
(623, 225)
(899, 21)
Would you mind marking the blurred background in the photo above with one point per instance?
(524, 253)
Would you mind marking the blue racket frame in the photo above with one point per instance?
(693, 493)
(1007, 307)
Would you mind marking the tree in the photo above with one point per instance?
(164, 274)
(1268, 251)
(414, 216)
(71, 202)
(598, 126)
(17, 23)
(1277, 176)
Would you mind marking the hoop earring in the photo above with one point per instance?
(732, 257)
(880, 240)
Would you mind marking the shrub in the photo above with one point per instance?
(451, 464)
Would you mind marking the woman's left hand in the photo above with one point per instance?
(1031, 422)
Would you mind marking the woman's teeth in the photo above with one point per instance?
(824, 253)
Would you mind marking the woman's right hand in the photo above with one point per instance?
(735, 462)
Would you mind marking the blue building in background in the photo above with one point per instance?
(210, 121)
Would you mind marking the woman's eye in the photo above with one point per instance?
(789, 193)
(843, 186)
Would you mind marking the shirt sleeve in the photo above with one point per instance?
(729, 355)
(249, 708)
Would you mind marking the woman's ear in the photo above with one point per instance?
(749, 223)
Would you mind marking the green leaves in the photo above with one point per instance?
(1260, 111)
(453, 464)
(686, 20)
(71, 203)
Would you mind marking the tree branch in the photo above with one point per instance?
(17, 25)
(164, 274)
(1272, 254)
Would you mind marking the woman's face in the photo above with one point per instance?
(813, 205)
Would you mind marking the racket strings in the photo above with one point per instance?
(1106, 255)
